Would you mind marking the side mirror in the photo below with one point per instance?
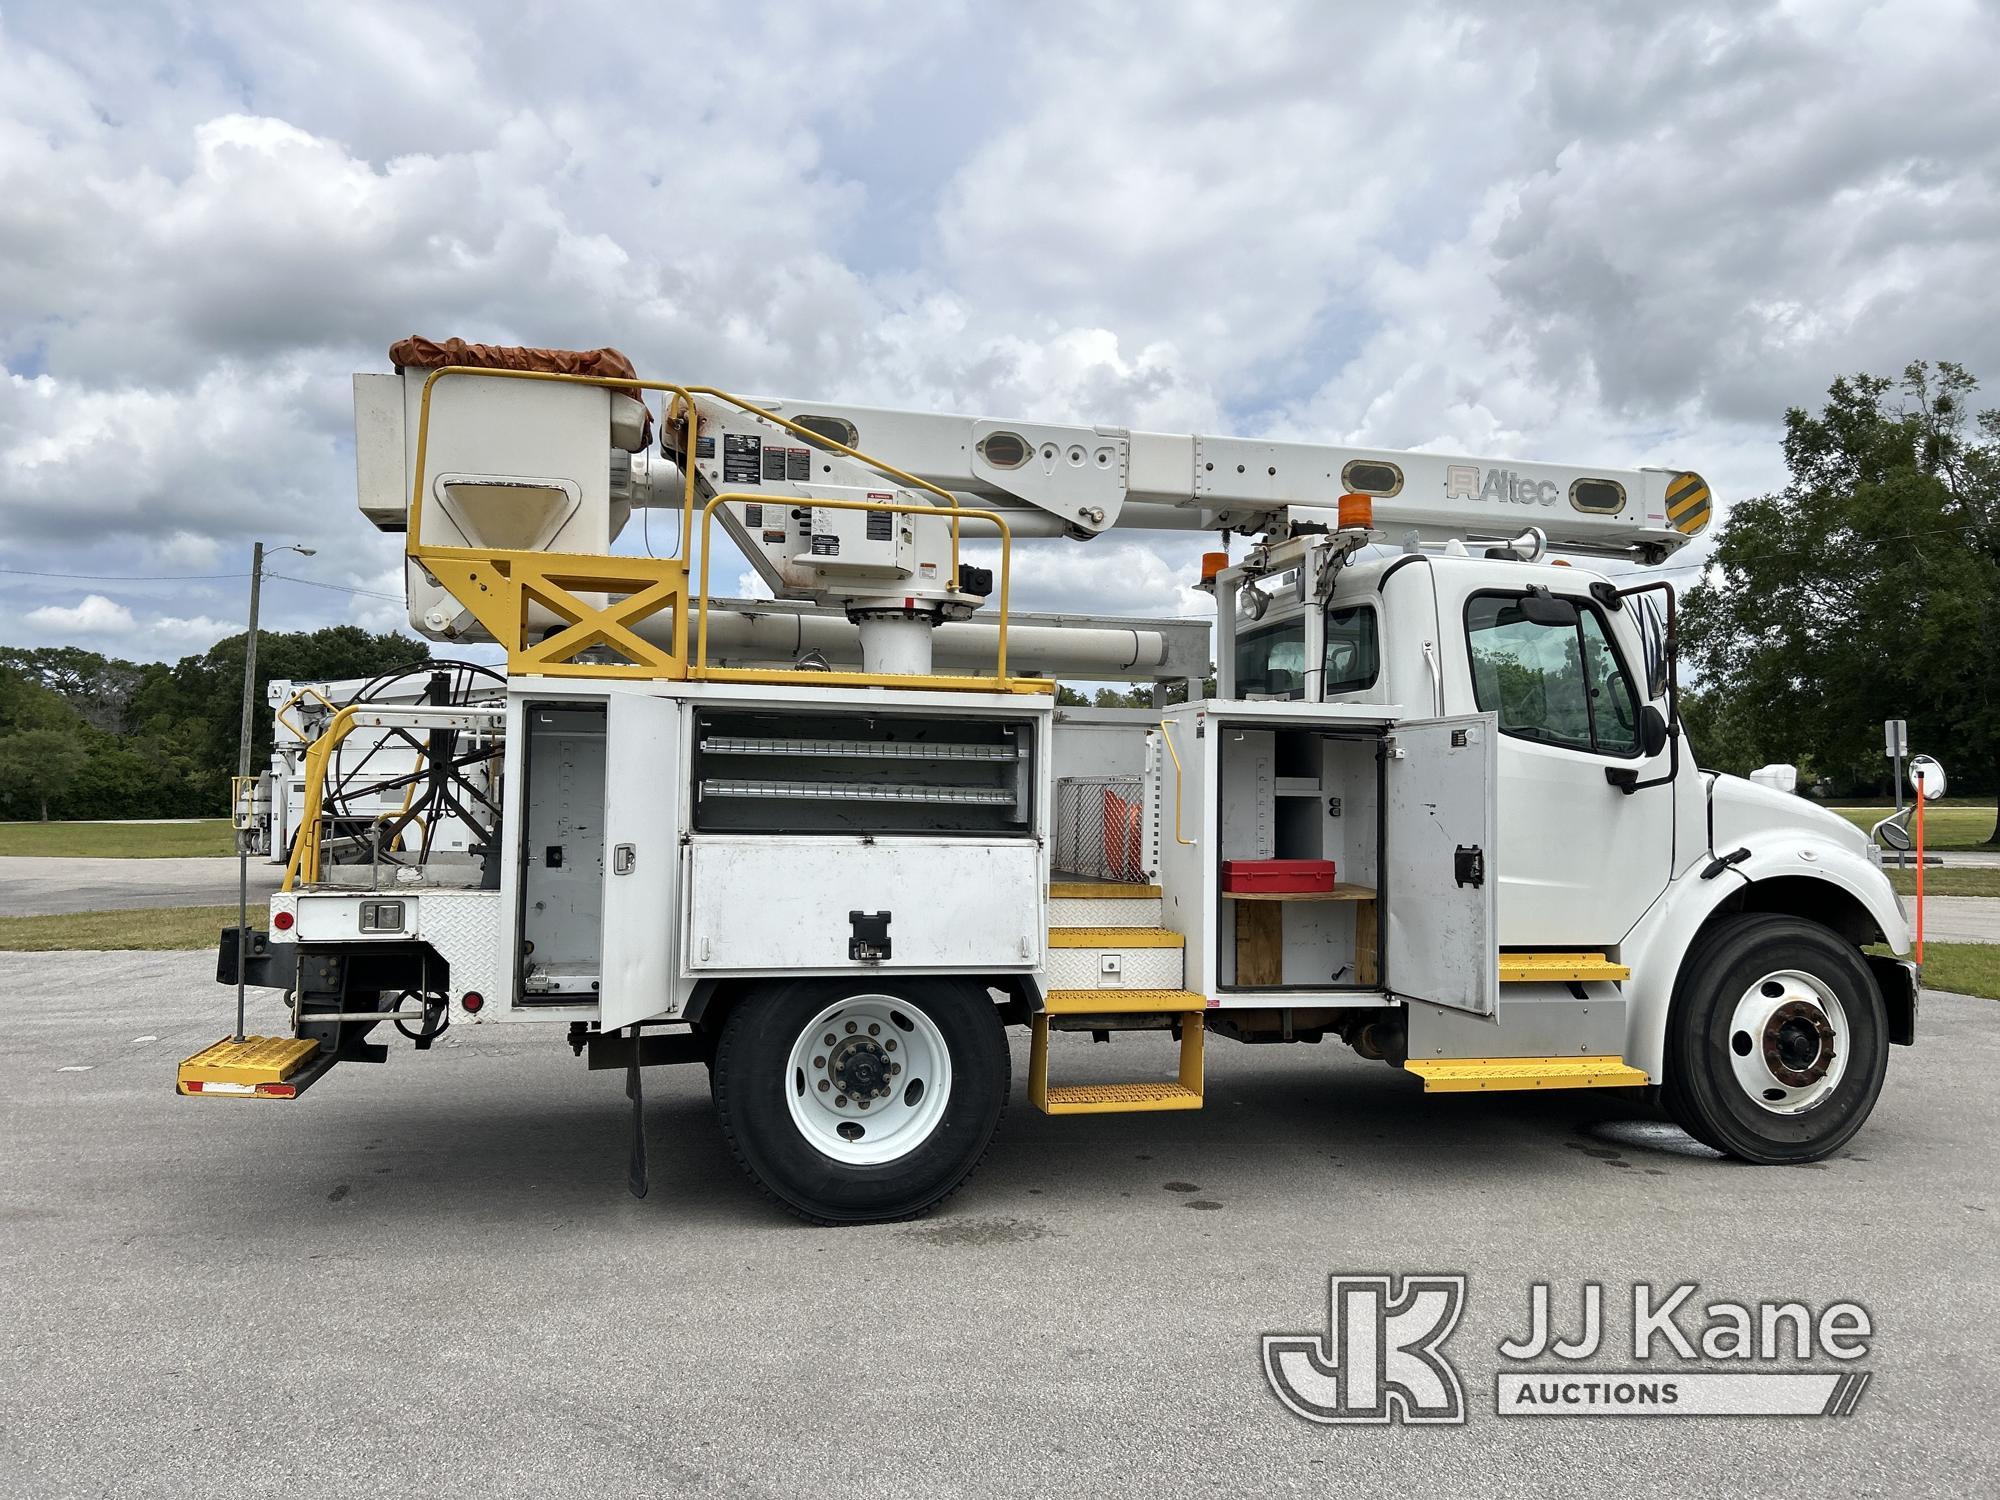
(1926, 778)
(1652, 729)
(1894, 832)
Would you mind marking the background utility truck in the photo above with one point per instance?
(833, 844)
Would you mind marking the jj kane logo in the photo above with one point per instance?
(1381, 1358)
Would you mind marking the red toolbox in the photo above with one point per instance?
(1277, 875)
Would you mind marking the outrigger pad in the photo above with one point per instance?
(257, 1067)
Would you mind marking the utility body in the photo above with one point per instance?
(1439, 807)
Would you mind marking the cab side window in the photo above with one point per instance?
(1556, 684)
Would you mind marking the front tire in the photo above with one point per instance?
(1777, 1041)
(859, 1101)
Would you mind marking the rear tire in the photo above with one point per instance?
(1777, 1041)
(915, 1081)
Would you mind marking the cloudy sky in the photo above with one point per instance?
(1610, 232)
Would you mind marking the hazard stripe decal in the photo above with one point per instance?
(1688, 503)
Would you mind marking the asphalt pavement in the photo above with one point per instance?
(427, 1277)
(1958, 919)
(35, 885)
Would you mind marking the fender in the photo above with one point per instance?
(1658, 945)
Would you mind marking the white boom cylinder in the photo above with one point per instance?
(894, 645)
(738, 632)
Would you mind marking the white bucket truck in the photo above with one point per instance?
(833, 844)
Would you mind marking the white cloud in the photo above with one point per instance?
(186, 549)
(91, 615)
(197, 633)
(1627, 234)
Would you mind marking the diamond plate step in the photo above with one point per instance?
(1559, 968)
(1447, 1075)
(1182, 1092)
(1107, 1002)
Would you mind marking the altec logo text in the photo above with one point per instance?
(1463, 482)
(1382, 1356)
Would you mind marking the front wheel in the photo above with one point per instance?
(856, 1101)
(1777, 1042)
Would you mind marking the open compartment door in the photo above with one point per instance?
(1440, 832)
(641, 852)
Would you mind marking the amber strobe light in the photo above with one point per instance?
(1357, 512)
(1211, 564)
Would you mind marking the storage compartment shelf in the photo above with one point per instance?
(862, 791)
(814, 770)
(858, 749)
(1343, 891)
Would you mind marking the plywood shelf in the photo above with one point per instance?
(1343, 891)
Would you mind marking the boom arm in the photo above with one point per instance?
(853, 509)
(1087, 480)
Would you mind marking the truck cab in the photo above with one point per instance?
(1611, 838)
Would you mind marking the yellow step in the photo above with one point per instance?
(258, 1067)
(1116, 1098)
(1452, 1075)
(1104, 1002)
(1183, 1092)
(1114, 937)
(1101, 890)
(1559, 968)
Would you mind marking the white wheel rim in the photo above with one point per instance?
(875, 1092)
(1788, 1042)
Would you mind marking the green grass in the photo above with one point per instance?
(1945, 827)
(1968, 968)
(1946, 882)
(157, 929)
(1839, 804)
(118, 840)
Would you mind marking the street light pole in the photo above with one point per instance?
(236, 788)
(243, 774)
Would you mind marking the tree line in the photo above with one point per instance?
(1867, 589)
(84, 735)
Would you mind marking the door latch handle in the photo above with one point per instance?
(623, 858)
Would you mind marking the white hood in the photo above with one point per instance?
(1743, 809)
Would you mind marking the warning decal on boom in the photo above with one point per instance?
(742, 455)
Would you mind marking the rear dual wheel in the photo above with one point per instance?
(856, 1101)
(1777, 1042)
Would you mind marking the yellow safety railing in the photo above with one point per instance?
(303, 867)
(298, 697)
(1167, 736)
(500, 586)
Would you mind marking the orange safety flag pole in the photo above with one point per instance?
(1920, 870)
